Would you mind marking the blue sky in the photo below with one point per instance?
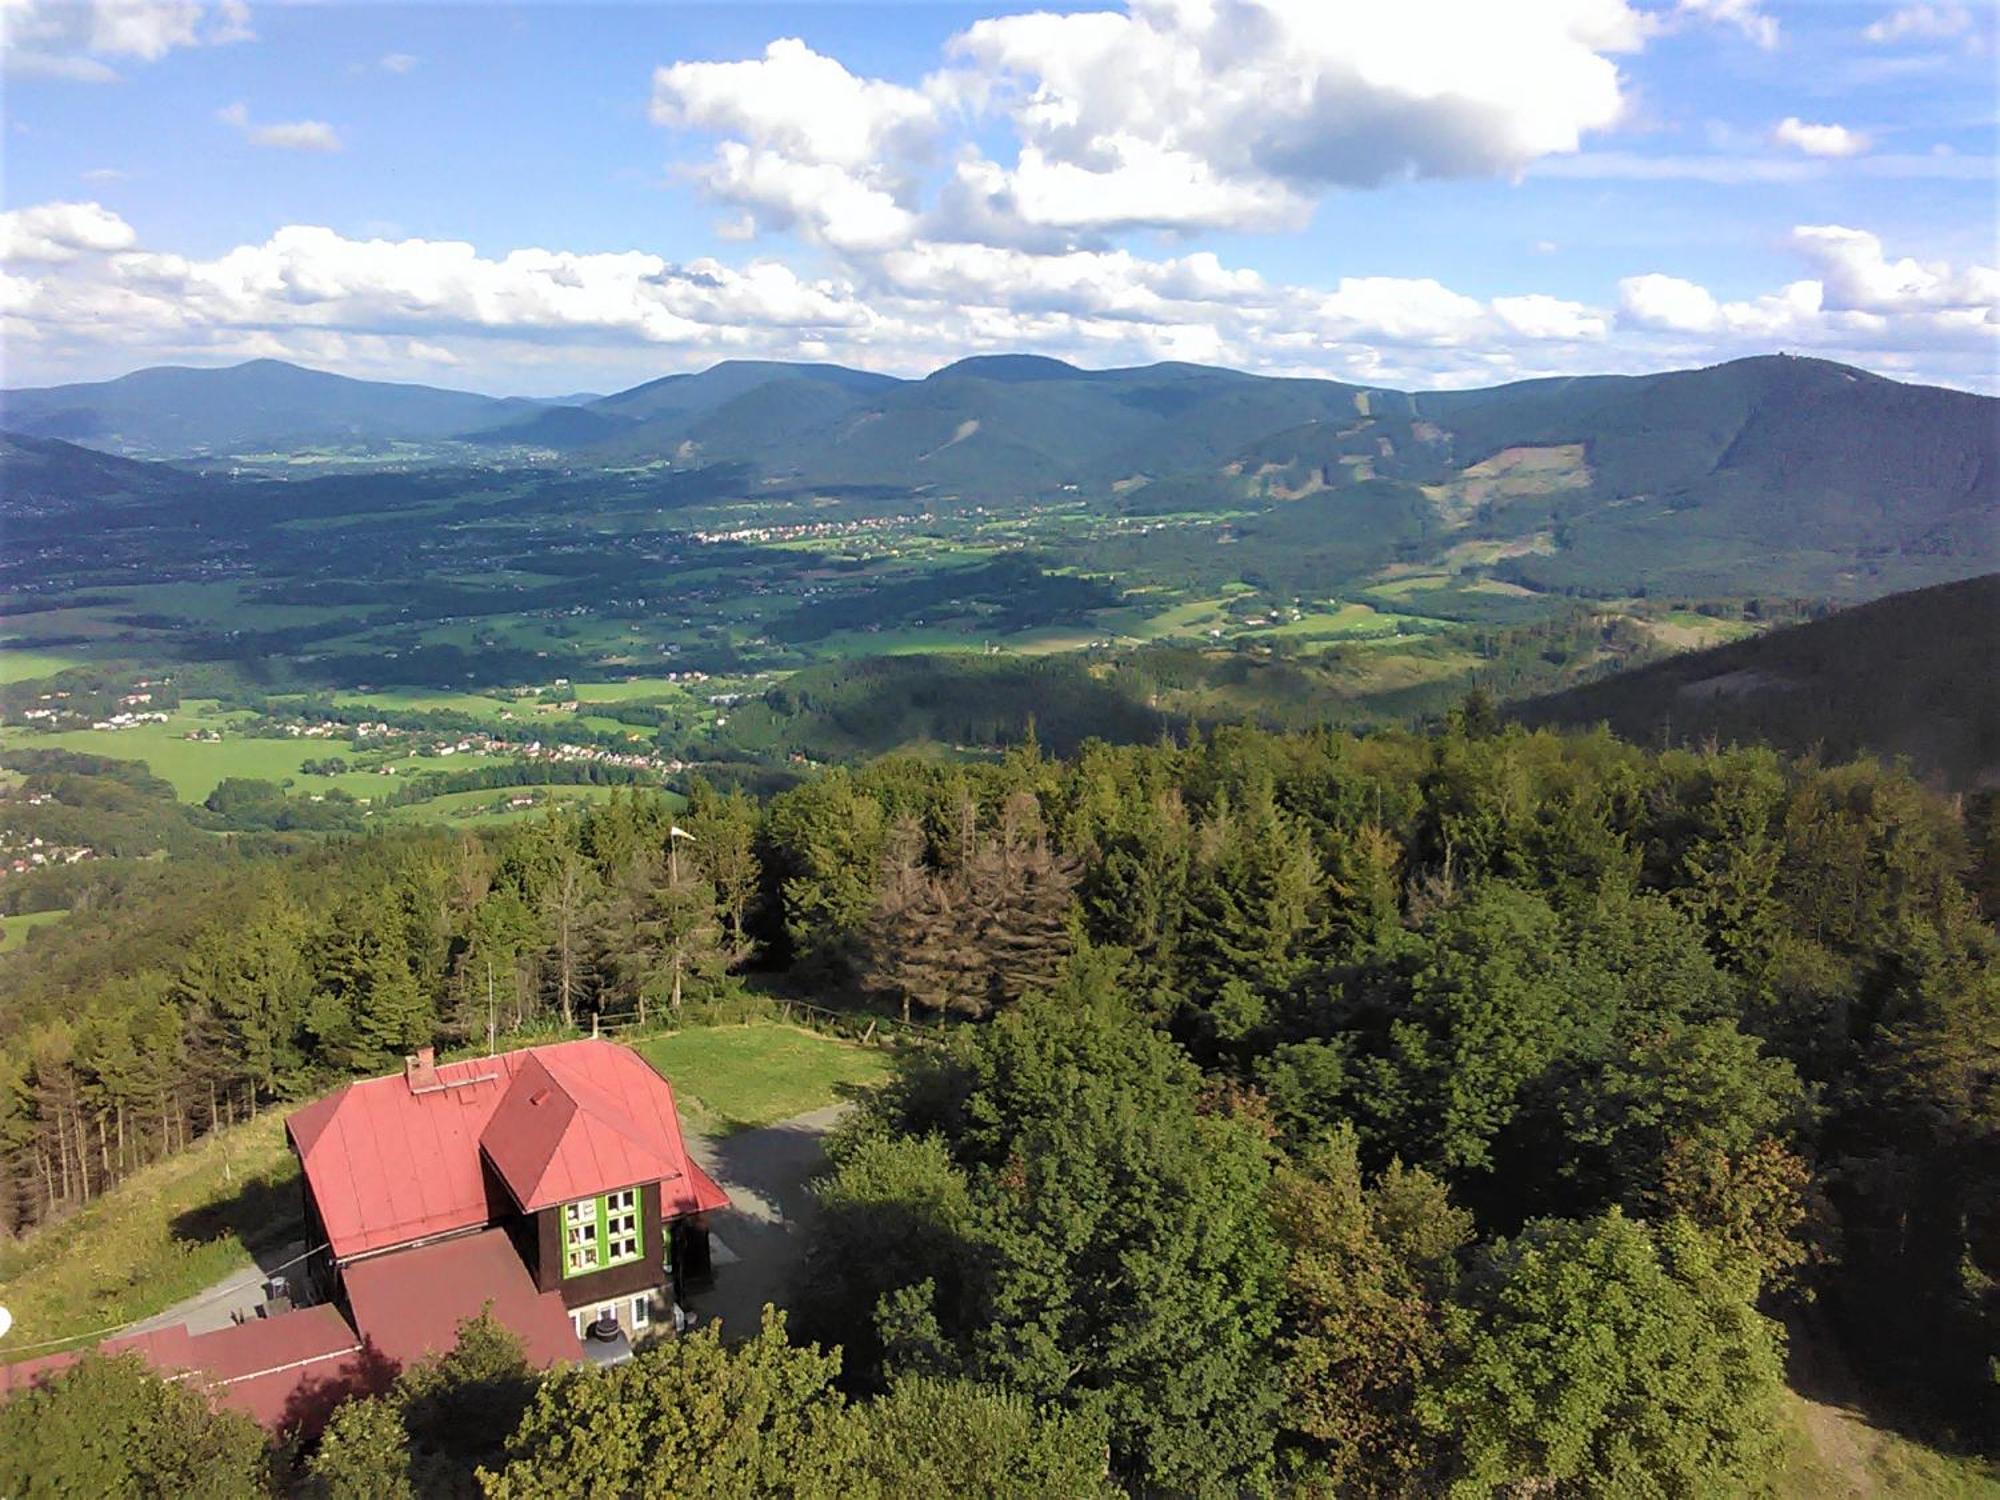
(1443, 192)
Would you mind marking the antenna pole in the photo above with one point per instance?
(492, 1043)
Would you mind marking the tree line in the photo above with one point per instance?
(1389, 1113)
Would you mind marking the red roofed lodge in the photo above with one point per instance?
(551, 1185)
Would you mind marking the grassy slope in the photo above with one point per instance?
(1833, 1453)
(14, 930)
(179, 1226)
(162, 1235)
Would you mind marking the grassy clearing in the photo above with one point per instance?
(1833, 1454)
(14, 930)
(164, 1234)
(483, 809)
(194, 767)
(731, 1078)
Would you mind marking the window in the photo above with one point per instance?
(601, 1232)
(642, 1311)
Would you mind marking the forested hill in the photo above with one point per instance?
(1402, 1114)
(1915, 674)
(1770, 475)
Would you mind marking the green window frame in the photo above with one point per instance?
(601, 1232)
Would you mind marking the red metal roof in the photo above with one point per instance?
(573, 1125)
(409, 1304)
(389, 1165)
(284, 1372)
(289, 1371)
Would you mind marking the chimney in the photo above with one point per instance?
(420, 1070)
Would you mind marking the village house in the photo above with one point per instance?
(550, 1186)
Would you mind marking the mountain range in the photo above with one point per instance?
(1684, 481)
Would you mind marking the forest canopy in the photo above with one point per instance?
(1399, 1113)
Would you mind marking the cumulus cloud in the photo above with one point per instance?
(77, 280)
(54, 232)
(70, 38)
(1921, 22)
(808, 145)
(397, 62)
(294, 135)
(1819, 140)
(1858, 275)
(1237, 113)
(798, 102)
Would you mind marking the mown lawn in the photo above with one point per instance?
(731, 1078)
(164, 1234)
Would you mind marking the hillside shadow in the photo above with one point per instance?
(266, 1215)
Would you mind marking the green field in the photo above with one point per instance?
(194, 767)
(14, 930)
(478, 810)
(731, 1078)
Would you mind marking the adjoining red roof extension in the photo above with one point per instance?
(390, 1165)
(283, 1372)
(412, 1303)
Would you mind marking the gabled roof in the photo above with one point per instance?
(390, 1164)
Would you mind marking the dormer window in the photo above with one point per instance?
(601, 1232)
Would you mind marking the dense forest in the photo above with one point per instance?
(1314, 1113)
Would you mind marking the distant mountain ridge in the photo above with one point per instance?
(1688, 482)
(174, 411)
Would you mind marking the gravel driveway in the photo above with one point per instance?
(760, 1238)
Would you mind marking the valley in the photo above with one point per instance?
(694, 572)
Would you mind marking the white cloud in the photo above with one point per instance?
(798, 103)
(822, 198)
(1656, 301)
(1819, 140)
(1238, 112)
(1538, 316)
(1746, 16)
(1920, 23)
(61, 231)
(70, 38)
(231, 24)
(295, 135)
(810, 147)
(398, 62)
(307, 292)
(1859, 276)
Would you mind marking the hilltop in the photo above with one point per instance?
(1910, 675)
